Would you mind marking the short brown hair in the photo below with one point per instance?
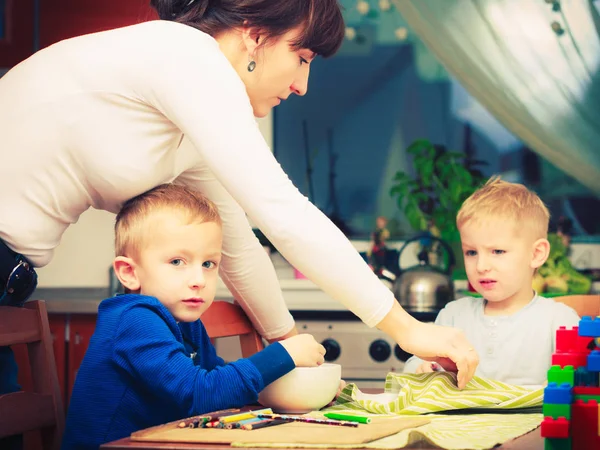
(131, 222)
(499, 198)
(322, 20)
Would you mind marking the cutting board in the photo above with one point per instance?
(292, 432)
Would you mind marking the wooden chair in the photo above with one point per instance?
(41, 409)
(224, 319)
(584, 305)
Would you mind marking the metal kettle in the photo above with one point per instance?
(424, 287)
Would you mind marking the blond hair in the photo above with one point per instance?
(501, 199)
(135, 215)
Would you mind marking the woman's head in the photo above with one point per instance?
(321, 21)
(277, 39)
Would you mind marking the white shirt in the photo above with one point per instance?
(515, 349)
(95, 120)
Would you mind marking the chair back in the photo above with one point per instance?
(225, 319)
(42, 408)
(584, 305)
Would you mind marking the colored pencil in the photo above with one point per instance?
(245, 415)
(263, 424)
(348, 417)
(308, 420)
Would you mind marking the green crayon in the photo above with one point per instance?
(348, 417)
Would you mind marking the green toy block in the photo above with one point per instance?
(560, 375)
(555, 411)
(585, 398)
(557, 444)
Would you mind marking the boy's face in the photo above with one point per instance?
(178, 264)
(500, 259)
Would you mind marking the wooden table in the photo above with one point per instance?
(529, 441)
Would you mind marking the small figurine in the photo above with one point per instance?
(378, 249)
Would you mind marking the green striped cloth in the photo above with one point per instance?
(437, 392)
(464, 425)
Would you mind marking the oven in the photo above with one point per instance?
(366, 354)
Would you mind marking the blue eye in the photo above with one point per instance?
(209, 264)
(499, 252)
(470, 253)
(176, 262)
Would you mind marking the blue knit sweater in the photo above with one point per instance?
(142, 368)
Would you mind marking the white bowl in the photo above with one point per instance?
(303, 389)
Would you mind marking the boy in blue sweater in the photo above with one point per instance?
(150, 360)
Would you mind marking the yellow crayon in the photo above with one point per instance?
(246, 415)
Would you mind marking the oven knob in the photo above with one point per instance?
(401, 354)
(332, 349)
(380, 350)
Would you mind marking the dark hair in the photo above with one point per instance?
(322, 19)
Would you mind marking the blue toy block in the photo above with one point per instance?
(558, 394)
(589, 327)
(593, 364)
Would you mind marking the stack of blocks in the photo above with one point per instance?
(571, 413)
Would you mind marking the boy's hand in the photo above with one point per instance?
(340, 388)
(427, 367)
(304, 350)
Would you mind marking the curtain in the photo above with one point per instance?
(534, 64)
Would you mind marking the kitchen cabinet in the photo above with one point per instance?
(16, 31)
(81, 329)
(62, 19)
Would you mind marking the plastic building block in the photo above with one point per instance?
(555, 428)
(557, 374)
(583, 390)
(558, 395)
(587, 397)
(584, 425)
(589, 327)
(571, 341)
(556, 411)
(584, 377)
(570, 359)
(557, 444)
(593, 364)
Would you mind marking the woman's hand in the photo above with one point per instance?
(447, 346)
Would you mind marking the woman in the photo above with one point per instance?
(95, 120)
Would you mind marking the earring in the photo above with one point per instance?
(251, 66)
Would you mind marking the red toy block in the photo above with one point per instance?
(555, 428)
(570, 359)
(584, 425)
(586, 390)
(569, 341)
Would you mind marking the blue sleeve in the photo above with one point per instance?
(146, 348)
(445, 318)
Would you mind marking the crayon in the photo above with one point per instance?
(348, 417)
(263, 424)
(245, 415)
(341, 423)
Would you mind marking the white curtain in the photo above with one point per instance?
(542, 86)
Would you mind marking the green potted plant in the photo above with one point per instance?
(431, 197)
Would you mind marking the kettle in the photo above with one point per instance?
(424, 287)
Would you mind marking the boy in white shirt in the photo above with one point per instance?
(503, 229)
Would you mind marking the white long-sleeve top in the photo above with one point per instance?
(95, 120)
